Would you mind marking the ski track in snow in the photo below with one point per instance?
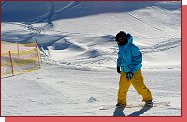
(162, 46)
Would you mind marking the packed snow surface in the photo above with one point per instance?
(79, 53)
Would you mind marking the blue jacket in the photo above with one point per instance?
(129, 57)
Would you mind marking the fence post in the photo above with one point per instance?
(38, 53)
(11, 63)
(18, 50)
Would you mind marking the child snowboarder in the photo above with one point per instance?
(129, 65)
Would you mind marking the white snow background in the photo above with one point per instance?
(79, 75)
(2, 119)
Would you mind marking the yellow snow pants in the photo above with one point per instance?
(137, 82)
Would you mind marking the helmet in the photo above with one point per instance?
(122, 35)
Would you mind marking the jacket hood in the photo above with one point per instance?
(130, 39)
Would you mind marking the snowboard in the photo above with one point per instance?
(155, 104)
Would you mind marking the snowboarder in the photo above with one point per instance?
(129, 65)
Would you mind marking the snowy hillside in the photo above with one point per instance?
(79, 73)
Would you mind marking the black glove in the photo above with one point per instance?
(118, 69)
(129, 75)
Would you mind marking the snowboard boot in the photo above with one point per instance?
(148, 103)
(119, 105)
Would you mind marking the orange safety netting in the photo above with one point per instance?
(19, 58)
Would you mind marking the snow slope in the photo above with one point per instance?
(57, 91)
(79, 74)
